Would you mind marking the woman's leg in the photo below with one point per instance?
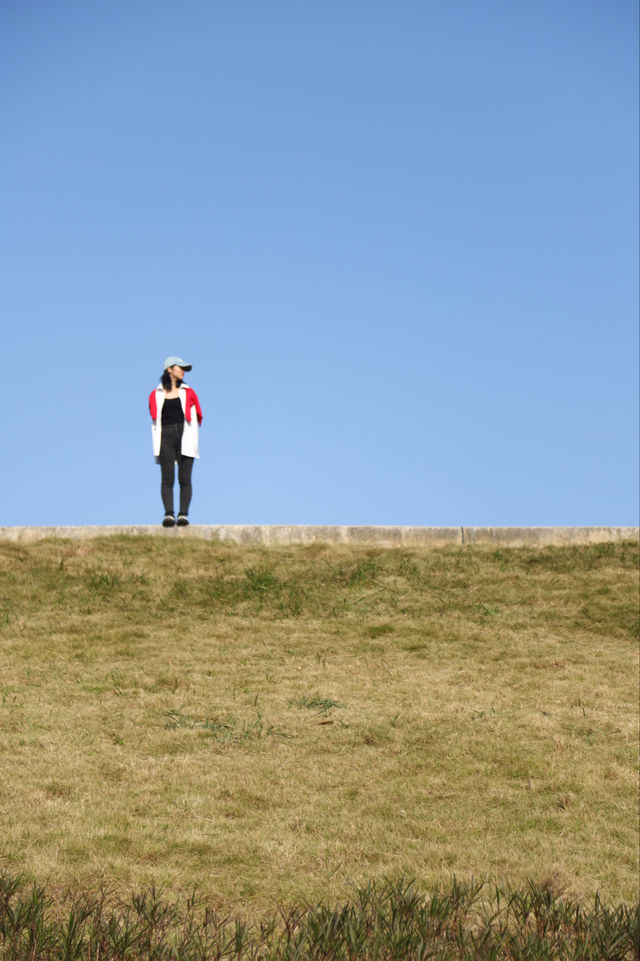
(168, 452)
(185, 466)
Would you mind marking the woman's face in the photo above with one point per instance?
(178, 372)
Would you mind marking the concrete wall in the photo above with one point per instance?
(380, 536)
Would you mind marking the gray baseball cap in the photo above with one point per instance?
(173, 361)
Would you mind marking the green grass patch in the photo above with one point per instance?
(316, 702)
(228, 730)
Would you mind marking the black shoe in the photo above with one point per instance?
(169, 521)
(182, 520)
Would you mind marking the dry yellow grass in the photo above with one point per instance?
(276, 724)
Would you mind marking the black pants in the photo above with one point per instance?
(170, 456)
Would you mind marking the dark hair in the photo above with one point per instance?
(165, 380)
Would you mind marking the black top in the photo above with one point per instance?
(172, 412)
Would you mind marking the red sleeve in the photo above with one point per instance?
(153, 405)
(194, 402)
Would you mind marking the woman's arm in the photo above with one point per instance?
(192, 401)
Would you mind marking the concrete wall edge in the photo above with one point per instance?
(375, 535)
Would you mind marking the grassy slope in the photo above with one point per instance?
(273, 724)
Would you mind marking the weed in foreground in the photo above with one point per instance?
(390, 920)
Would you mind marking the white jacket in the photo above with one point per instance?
(192, 419)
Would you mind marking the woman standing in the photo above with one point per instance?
(175, 415)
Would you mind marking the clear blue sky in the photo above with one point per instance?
(397, 240)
